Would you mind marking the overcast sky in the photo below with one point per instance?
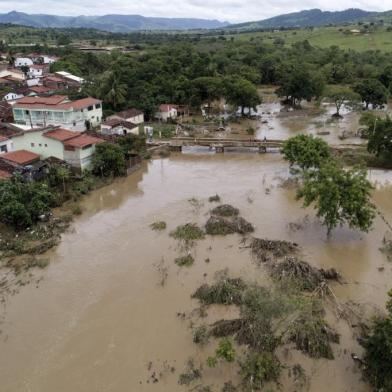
(224, 10)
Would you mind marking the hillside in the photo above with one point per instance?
(314, 17)
(112, 23)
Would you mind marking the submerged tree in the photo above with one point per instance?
(340, 196)
(306, 151)
(241, 93)
(340, 96)
(372, 92)
(379, 134)
(378, 351)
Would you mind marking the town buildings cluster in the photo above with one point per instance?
(40, 124)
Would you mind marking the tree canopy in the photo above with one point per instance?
(306, 151)
(340, 196)
(109, 160)
(342, 95)
(372, 92)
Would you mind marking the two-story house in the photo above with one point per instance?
(58, 110)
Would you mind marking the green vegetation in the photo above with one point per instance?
(341, 95)
(306, 151)
(184, 261)
(372, 92)
(21, 203)
(188, 232)
(215, 198)
(224, 351)
(109, 160)
(379, 134)
(378, 351)
(339, 196)
(225, 210)
(158, 226)
(258, 369)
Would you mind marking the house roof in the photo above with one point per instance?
(40, 89)
(116, 122)
(166, 107)
(55, 102)
(83, 140)
(61, 134)
(128, 113)
(3, 138)
(21, 157)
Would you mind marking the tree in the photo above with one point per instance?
(207, 89)
(298, 84)
(372, 92)
(379, 134)
(340, 96)
(109, 160)
(22, 203)
(378, 351)
(241, 93)
(339, 196)
(306, 151)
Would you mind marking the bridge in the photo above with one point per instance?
(219, 145)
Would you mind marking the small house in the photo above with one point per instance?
(116, 126)
(166, 112)
(134, 116)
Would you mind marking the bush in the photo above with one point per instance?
(258, 369)
(109, 160)
(378, 351)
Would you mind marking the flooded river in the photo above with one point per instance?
(101, 319)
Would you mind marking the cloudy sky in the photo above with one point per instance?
(225, 10)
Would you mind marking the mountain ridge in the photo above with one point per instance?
(115, 23)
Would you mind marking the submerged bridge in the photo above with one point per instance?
(219, 145)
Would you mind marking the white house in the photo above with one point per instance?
(116, 126)
(58, 110)
(70, 77)
(75, 148)
(134, 116)
(12, 96)
(6, 145)
(13, 73)
(35, 71)
(23, 61)
(166, 112)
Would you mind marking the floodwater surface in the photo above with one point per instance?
(108, 312)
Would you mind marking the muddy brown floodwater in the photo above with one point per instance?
(100, 320)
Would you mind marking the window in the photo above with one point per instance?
(46, 145)
(3, 148)
(32, 144)
(98, 106)
(90, 108)
(27, 111)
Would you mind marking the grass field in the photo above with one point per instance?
(323, 37)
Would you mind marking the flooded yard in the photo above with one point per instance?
(113, 312)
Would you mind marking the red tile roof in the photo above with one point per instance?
(61, 134)
(55, 102)
(83, 140)
(167, 107)
(40, 89)
(3, 138)
(115, 122)
(21, 157)
(129, 113)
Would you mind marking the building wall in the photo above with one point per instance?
(73, 120)
(79, 158)
(106, 130)
(42, 145)
(6, 146)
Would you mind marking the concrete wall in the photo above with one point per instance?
(42, 145)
